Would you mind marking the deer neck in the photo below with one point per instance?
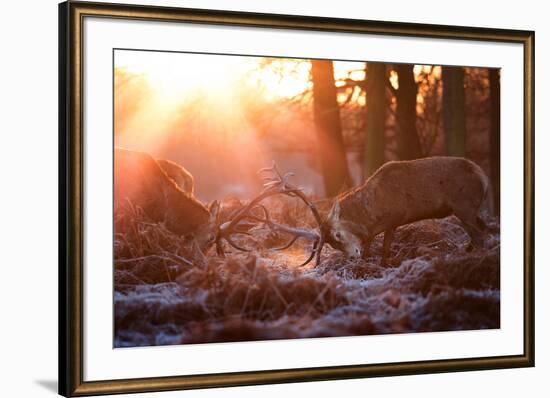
(355, 209)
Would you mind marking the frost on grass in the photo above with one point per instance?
(168, 292)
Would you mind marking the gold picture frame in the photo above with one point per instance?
(71, 16)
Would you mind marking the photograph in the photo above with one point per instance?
(276, 198)
(264, 198)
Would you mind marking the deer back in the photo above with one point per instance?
(402, 192)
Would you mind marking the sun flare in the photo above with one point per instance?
(173, 76)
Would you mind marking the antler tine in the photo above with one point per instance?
(290, 243)
(313, 254)
(267, 219)
(287, 175)
(319, 249)
(271, 169)
(275, 178)
(318, 246)
(236, 246)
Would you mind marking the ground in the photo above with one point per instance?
(168, 292)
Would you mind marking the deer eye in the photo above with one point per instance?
(211, 238)
(337, 235)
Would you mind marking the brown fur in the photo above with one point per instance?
(140, 180)
(403, 192)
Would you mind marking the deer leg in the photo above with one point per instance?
(388, 237)
(476, 236)
(475, 230)
(366, 246)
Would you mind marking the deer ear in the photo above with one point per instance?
(214, 210)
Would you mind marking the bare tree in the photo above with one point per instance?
(454, 114)
(429, 116)
(375, 144)
(326, 114)
(408, 142)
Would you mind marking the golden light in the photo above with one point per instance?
(349, 69)
(283, 78)
(159, 93)
(173, 75)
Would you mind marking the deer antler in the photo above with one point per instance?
(275, 184)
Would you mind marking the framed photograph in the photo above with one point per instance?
(251, 198)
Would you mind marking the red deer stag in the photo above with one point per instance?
(140, 179)
(398, 193)
(403, 192)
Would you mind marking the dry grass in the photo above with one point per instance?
(167, 292)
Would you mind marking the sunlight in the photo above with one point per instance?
(283, 79)
(164, 94)
(349, 69)
(174, 75)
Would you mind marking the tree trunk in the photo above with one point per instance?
(408, 143)
(494, 84)
(454, 113)
(326, 114)
(375, 144)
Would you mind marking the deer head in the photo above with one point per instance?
(342, 234)
(187, 217)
